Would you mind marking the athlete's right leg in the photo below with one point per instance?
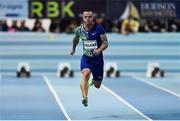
(85, 69)
(84, 83)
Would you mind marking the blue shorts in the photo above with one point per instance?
(95, 64)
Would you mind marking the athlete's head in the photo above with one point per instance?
(88, 17)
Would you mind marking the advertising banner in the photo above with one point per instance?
(157, 9)
(112, 9)
(13, 9)
(63, 8)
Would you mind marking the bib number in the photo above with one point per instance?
(90, 44)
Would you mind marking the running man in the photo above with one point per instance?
(94, 43)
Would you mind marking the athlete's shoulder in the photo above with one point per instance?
(100, 28)
(98, 25)
(78, 29)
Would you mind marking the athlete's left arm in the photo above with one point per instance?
(103, 46)
(104, 43)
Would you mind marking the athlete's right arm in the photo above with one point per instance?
(75, 42)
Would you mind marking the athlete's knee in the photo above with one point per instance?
(97, 84)
(86, 74)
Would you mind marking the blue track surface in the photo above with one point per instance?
(171, 83)
(31, 99)
(27, 99)
(102, 105)
(154, 103)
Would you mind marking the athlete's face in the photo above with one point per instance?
(88, 17)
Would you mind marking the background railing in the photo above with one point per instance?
(132, 53)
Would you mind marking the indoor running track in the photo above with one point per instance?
(126, 98)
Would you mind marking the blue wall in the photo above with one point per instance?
(132, 53)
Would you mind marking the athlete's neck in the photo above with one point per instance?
(88, 26)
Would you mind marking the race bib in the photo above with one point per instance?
(90, 44)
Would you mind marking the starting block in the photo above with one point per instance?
(64, 70)
(154, 70)
(112, 70)
(23, 70)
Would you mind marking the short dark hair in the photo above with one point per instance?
(88, 10)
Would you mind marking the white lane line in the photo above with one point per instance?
(156, 86)
(125, 102)
(56, 97)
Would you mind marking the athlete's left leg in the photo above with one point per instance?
(97, 72)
